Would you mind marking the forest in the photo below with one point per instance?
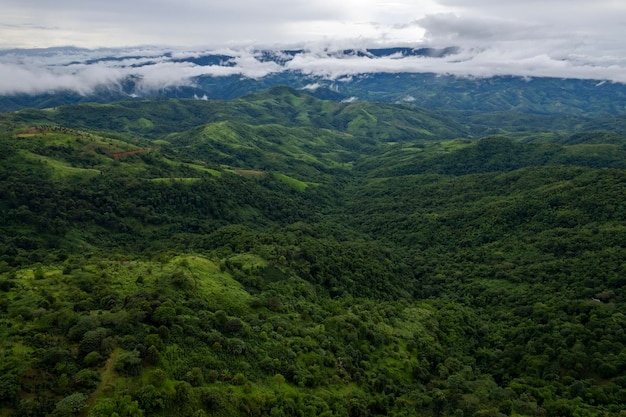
(283, 255)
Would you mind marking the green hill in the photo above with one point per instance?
(279, 105)
(282, 255)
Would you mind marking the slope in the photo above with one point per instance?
(278, 105)
(255, 266)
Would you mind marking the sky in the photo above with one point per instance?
(557, 38)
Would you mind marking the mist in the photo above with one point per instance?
(37, 71)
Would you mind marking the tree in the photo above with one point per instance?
(9, 387)
(87, 378)
(128, 363)
(70, 405)
(122, 406)
(153, 356)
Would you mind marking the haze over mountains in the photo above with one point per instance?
(432, 77)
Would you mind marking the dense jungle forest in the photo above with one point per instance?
(282, 255)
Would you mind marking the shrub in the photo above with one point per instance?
(128, 363)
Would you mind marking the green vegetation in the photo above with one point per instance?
(279, 255)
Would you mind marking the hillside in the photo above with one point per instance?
(279, 105)
(284, 255)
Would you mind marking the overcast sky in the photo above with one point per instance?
(562, 38)
(194, 23)
(114, 23)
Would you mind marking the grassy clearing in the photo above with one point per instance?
(411, 324)
(250, 173)
(447, 146)
(292, 182)
(61, 169)
(75, 140)
(247, 262)
(198, 276)
(196, 167)
(212, 284)
(142, 123)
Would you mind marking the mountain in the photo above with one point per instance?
(385, 75)
(279, 254)
(278, 105)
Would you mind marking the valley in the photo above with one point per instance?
(280, 254)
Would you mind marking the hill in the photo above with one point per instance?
(279, 254)
(278, 105)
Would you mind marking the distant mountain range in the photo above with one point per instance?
(231, 77)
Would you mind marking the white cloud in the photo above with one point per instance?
(16, 79)
(312, 87)
(83, 70)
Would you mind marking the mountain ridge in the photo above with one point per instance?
(232, 74)
(279, 103)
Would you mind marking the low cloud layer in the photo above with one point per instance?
(82, 70)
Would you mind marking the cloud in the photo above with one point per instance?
(15, 79)
(212, 23)
(83, 70)
(312, 87)
(448, 27)
(185, 22)
(557, 38)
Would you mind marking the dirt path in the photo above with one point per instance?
(107, 377)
